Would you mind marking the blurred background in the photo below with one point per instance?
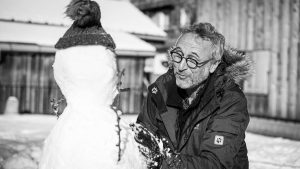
(267, 30)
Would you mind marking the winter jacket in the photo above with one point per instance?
(212, 136)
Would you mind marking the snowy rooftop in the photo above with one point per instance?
(32, 33)
(116, 15)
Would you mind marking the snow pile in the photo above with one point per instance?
(25, 127)
(21, 139)
(20, 156)
(272, 153)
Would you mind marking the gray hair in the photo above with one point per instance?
(208, 32)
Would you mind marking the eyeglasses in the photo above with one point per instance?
(191, 63)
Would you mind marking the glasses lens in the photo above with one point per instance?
(191, 63)
(176, 57)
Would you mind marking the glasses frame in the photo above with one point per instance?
(198, 64)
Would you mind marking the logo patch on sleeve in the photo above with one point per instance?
(197, 127)
(219, 140)
(154, 90)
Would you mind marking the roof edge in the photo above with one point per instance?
(32, 47)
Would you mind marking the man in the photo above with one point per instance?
(198, 106)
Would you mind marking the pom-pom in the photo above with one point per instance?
(85, 13)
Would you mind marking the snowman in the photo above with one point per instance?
(84, 136)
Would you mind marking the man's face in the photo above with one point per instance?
(191, 46)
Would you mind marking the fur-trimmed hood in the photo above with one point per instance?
(238, 64)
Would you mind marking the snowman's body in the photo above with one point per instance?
(85, 135)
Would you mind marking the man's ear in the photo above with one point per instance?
(214, 66)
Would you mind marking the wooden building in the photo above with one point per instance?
(268, 30)
(28, 33)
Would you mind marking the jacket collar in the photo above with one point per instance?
(164, 92)
(164, 89)
(200, 102)
(207, 104)
(173, 97)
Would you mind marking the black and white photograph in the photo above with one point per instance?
(149, 84)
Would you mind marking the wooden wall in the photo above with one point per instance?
(132, 100)
(29, 77)
(264, 25)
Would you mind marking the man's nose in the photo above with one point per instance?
(182, 65)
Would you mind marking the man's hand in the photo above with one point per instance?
(149, 145)
(155, 148)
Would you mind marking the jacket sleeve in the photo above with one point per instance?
(223, 137)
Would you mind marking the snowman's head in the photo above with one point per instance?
(86, 29)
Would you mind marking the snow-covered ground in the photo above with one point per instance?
(21, 140)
